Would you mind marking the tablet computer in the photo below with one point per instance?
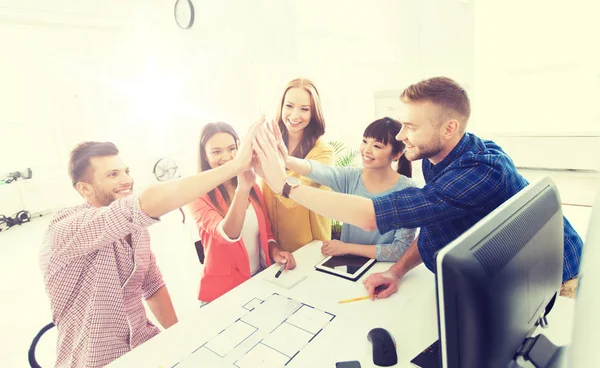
(348, 266)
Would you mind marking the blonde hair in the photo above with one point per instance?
(443, 92)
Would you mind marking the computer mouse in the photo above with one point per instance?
(384, 347)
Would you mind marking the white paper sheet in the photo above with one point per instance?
(203, 357)
(310, 319)
(262, 356)
(288, 339)
(288, 279)
(269, 334)
(231, 337)
(272, 312)
(253, 304)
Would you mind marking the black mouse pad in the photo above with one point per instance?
(430, 357)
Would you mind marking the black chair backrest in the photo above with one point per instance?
(200, 251)
(31, 354)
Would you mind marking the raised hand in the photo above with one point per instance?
(246, 179)
(243, 158)
(281, 147)
(257, 167)
(270, 165)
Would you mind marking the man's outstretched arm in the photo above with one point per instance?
(347, 208)
(158, 199)
(351, 209)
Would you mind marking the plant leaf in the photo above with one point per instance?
(343, 155)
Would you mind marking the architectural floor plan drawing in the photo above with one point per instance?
(269, 335)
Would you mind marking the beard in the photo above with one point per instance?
(105, 198)
(423, 152)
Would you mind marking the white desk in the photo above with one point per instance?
(409, 315)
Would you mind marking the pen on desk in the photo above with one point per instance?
(280, 270)
(354, 299)
(377, 290)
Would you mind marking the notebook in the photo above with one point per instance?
(288, 279)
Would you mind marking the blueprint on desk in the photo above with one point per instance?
(270, 334)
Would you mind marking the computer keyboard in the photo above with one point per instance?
(430, 357)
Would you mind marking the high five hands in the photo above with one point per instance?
(268, 160)
(263, 150)
(270, 154)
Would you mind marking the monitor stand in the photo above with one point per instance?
(540, 352)
(536, 352)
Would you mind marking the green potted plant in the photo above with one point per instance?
(344, 157)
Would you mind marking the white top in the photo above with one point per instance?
(250, 236)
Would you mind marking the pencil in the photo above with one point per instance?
(354, 299)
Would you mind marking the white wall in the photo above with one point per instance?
(74, 71)
(133, 78)
(537, 81)
(77, 71)
(45, 102)
(446, 40)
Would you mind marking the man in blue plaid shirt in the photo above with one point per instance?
(466, 179)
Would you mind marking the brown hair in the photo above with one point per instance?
(316, 126)
(208, 131)
(385, 130)
(443, 92)
(79, 161)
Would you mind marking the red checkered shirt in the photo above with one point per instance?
(95, 281)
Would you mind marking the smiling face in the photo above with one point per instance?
(220, 149)
(296, 110)
(110, 180)
(422, 131)
(375, 154)
(435, 113)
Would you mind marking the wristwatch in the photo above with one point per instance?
(291, 182)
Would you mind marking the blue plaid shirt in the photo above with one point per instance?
(474, 179)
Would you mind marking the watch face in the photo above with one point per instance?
(184, 13)
(292, 180)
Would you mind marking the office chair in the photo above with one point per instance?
(31, 354)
